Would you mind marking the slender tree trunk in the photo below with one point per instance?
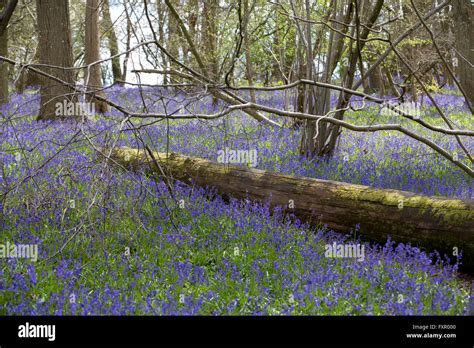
(388, 74)
(311, 145)
(309, 131)
(464, 36)
(210, 40)
(109, 31)
(6, 11)
(93, 77)
(334, 131)
(447, 76)
(161, 10)
(210, 37)
(193, 9)
(365, 83)
(27, 77)
(277, 47)
(55, 49)
(127, 46)
(301, 74)
(33, 79)
(376, 83)
(173, 43)
(248, 58)
(3, 65)
(7, 8)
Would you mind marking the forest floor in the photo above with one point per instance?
(115, 242)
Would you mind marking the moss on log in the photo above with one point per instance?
(433, 223)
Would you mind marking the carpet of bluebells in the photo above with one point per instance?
(115, 242)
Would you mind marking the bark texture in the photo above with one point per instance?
(92, 75)
(55, 49)
(433, 223)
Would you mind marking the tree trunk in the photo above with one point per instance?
(309, 131)
(161, 10)
(431, 222)
(193, 10)
(3, 65)
(109, 30)
(28, 78)
(464, 33)
(311, 146)
(55, 49)
(333, 131)
(248, 58)
(365, 83)
(127, 45)
(6, 11)
(7, 8)
(92, 76)
(391, 84)
(173, 43)
(277, 47)
(209, 36)
(376, 83)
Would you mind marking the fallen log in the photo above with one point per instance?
(433, 223)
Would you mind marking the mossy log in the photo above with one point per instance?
(431, 223)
